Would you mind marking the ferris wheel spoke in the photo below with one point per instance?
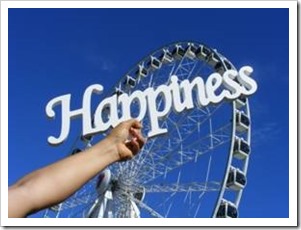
(79, 200)
(191, 129)
(175, 159)
(151, 148)
(151, 152)
(81, 210)
(150, 210)
(186, 65)
(182, 66)
(159, 164)
(211, 186)
(182, 122)
(185, 69)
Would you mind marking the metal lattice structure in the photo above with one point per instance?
(202, 161)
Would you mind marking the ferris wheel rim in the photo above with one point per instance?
(224, 186)
(228, 167)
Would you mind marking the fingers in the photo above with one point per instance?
(129, 138)
(134, 147)
(137, 136)
(133, 123)
(136, 143)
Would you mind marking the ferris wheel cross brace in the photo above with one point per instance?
(176, 95)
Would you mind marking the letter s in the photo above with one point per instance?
(231, 84)
(244, 78)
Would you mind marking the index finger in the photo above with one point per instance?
(133, 123)
(138, 136)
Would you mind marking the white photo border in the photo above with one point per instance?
(291, 221)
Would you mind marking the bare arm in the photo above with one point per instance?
(54, 183)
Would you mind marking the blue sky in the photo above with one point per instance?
(58, 51)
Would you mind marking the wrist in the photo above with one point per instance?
(109, 148)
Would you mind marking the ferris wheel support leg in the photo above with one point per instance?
(102, 207)
(135, 212)
(105, 206)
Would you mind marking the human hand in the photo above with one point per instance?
(127, 138)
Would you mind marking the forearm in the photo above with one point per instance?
(53, 184)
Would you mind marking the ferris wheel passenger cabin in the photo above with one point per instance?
(103, 181)
(190, 50)
(178, 52)
(213, 60)
(75, 151)
(241, 149)
(203, 52)
(240, 102)
(166, 57)
(219, 68)
(87, 138)
(141, 71)
(227, 210)
(56, 208)
(130, 81)
(227, 64)
(153, 63)
(118, 91)
(236, 179)
(140, 194)
(222, 66)
(242, 121)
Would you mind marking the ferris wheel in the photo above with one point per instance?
(197, 169)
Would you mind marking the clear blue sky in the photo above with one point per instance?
(58, 51)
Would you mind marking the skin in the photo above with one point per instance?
(54, 183)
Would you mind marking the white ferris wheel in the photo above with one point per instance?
(197, 169)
